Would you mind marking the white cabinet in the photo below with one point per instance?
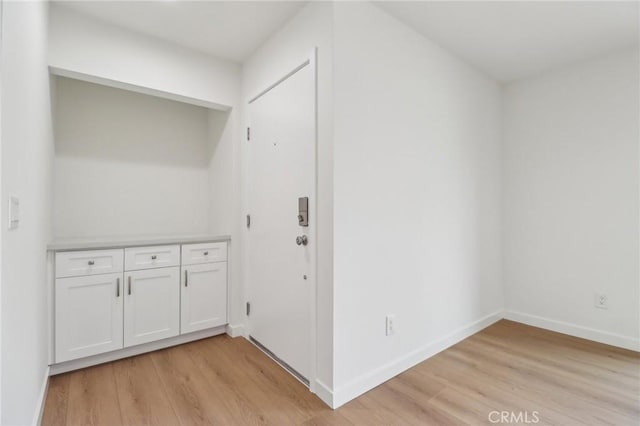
(94, 262)
(151, 305)
(111, 299)
(88, 315)
(193, 254)
(151, 257)
(203, 296)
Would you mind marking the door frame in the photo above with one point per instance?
(309, 61)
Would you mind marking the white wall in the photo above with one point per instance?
(1, 197)
(86, 46)
(571, 185)
(285, 50)
(417, 202)
(223, 181)
(27, 152)
(130, 164)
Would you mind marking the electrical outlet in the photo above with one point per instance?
(14, 212)
(601, 301)
(390, 328)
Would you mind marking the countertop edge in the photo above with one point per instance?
(115, 244)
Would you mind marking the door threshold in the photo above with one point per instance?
(279, 361)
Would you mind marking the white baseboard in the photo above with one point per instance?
(77, 364)
(42, 399)
(236, 330)
(324, 393)
(368, 381)
(575, 330)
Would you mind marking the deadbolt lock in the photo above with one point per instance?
(303, 211)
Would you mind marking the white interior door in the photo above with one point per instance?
(282, 150)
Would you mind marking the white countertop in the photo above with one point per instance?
(147, 240)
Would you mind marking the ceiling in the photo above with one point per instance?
(229, 30)
(512, 40)
(506, 39)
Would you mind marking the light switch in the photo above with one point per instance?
(14, 212)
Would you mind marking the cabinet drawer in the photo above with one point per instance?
(193, 254)
(151, 257)
(94, 262)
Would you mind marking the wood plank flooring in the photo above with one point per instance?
(554, 378)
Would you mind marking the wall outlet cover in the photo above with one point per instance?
(14, 212)
(389, 324)
(601, 301)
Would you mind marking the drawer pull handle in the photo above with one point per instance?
(91, 263)
(117, 287)
(154, 257)
(186, 278)
(206, 253)
(129, 286)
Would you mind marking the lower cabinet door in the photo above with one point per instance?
(88, 314)
(203, 296)
(151, 305)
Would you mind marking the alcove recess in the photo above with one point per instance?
(129, 163)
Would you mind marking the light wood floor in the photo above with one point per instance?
(506, 367)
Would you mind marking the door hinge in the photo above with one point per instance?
(248, 133)
(248, 221)
(248, 308)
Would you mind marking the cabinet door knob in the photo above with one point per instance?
(91, 263)
(154, 257)
(206, 253)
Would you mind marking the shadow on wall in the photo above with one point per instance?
(109, 124)
(133, 164)
(217, 125)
